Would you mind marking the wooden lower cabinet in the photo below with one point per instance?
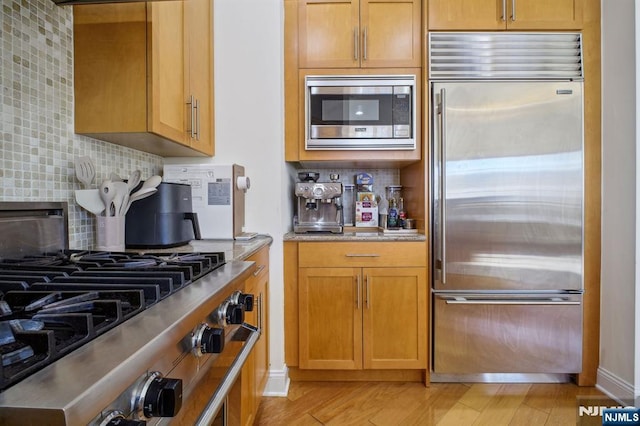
(353, 318)
(255, 372)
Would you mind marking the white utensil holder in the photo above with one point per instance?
(110, 233)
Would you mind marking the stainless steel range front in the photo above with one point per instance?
(100, 337)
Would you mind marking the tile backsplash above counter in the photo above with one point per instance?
(37, 139)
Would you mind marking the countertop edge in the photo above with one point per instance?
(354, 236)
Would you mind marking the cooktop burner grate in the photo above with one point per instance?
(53, 303)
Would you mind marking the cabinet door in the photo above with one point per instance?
(255, 372)
(330, 318)
(166, 113)
(199, 27)
(544, 14)
(395, 318)
(328, 33)
(467, 14)
(390, 31)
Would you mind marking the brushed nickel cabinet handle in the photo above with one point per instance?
(258, 270)
(355, 44)
(197, 119)
(364, 44)
(367, 295)
(191, 130)
(362, 255)
(504, 11)
(513, 10)
(358, 288)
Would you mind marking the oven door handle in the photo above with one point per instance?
(215, 403)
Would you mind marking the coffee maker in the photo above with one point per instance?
(318, 204)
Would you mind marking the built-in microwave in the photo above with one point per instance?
(360, 112)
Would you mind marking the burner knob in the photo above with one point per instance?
(243, 299)
(235, 314)
(163, 397)
(207, 340)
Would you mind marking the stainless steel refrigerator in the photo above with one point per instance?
(507, 205)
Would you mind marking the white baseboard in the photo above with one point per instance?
(616, 388)
(278, 383)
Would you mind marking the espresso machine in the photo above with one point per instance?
(318, 204)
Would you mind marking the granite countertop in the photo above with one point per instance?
(355, 235)
(233, 249)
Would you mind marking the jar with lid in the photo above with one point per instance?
(348, 204)
(394, 192)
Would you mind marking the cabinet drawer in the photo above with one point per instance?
(262, 262)
(355, 254)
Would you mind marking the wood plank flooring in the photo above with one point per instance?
(446, 404)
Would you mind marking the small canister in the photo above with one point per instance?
(348, 204)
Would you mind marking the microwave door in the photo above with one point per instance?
(359, 113)
(337, 113)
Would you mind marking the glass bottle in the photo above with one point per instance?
(402, 214)
(392, 215)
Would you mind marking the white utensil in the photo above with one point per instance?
(152, 182)
(148, 187)
(89, 199)
(121, 190)
(139, 195)
(107, 193)
(85, 171)
(134, 180)
(114, 177)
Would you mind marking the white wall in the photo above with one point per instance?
(249, 130)
(618, 333)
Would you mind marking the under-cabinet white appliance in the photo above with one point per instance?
(217, 195)
(507, 219)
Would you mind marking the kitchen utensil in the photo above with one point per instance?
(114, 177)
(121, 190)
(85, 171)
(148, 187)
(152, 182)
(90, 200)
(107, 193)
(139, 195)
(134, 180)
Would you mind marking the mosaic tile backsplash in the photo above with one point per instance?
(37, 142)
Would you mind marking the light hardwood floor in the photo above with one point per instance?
(455, 404)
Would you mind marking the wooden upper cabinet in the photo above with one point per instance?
(169, 73)
(359, 33)
(545, 14)
(390, 33)
(199, 31)
(505, 14)
(144, 75)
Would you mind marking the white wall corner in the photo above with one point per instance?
(616, 388)
(278, 383)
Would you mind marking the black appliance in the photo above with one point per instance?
(162, 220)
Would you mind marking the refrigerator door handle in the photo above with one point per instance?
(510, 301)
(443, 185)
